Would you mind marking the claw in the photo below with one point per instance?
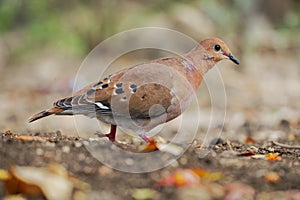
(102, 135)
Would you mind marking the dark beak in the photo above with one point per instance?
(233, 59)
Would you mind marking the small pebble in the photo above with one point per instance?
(175, 163)
(85, 142)
(58, 134)
(193, 193)
(183, 160)
(237, 190)
(87, 169)
(66, 149)
(81, 156)
(77, 144)
(39, 151)
(104, 170)
(129, 161)
(50, 144)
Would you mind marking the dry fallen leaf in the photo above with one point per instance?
(4, 175)
(184, 177)
(29, 138)
(104, 170)
(250, 140)
(52, 182)
(144, 193)
(170, 148)
(259, 156)
(273, 156)
(7, 133)
(202, 173)
(247, 153)
(158, 143)
(180, 178)
(272, 177)
(238, 190)
(150, 146)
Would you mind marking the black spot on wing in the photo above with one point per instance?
(118, 85)
(90, 92)
(119, 91)
(132, 86)
(97, 84)
(104, 86)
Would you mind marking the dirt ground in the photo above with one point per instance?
(239, 163)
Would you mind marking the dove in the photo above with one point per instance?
(143, 96)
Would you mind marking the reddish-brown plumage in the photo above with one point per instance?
(133, 94)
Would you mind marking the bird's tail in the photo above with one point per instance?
(46, 113)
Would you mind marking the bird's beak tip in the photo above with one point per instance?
(233, 59)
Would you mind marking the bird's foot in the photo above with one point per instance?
(110, 136)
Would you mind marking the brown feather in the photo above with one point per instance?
(45, 113)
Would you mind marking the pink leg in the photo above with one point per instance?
(111, 135)
(146, 138)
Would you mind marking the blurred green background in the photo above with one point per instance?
(42, 44)
(76, 27)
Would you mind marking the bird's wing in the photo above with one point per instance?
(129, 94)
(142, 91)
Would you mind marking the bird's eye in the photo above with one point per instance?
(217, 47)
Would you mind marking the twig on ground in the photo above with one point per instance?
(285, 145)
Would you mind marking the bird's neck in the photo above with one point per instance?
(201, 60)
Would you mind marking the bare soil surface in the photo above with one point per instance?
(247, 164)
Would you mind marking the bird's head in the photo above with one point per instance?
(217, 50)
